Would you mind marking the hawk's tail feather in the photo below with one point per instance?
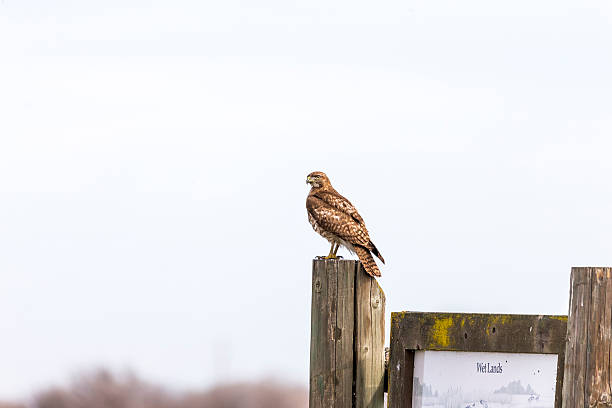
(368, 262)
(376, 252)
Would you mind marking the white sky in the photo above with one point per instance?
(153, 159)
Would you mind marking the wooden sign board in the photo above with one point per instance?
(483, 380)
(441, 360)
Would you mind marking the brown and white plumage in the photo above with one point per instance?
(337, 220)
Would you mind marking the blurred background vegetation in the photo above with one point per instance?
(105, 389)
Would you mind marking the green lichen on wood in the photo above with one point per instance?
(440, 331)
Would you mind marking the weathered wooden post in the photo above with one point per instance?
(588, 371)
(347, 337)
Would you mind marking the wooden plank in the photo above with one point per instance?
(395, 368)
(600, 340)
(332, 333)
(594, 320)
(408, 378)
(321, 345)
(583, 303)
(589, 339)
(344, 333)
(480, 332)
(577, 330)
(560, 381)
(578, 283)
(401, 362)
(369, 341)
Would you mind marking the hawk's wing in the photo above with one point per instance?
(339, 202)
(332, 219)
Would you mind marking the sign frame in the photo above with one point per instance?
(474, 332)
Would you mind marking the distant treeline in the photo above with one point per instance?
(103, 389)
(515, 387)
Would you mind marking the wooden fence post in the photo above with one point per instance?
(589, 340)
(347, 337)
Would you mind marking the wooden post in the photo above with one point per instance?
(347, 337)
(589, 340)
(331, 334)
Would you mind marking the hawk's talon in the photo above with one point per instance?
(328, 257)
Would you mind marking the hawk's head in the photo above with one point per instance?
(317, 179)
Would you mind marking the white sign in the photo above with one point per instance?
(455, 379)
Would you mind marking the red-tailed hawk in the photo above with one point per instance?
(336, 220)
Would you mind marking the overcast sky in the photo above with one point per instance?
(153, 157)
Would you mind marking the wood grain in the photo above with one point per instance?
(369, 341)
(331, 338)
(347, 337)
(589, 339)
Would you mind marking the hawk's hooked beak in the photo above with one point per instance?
(308, 180)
